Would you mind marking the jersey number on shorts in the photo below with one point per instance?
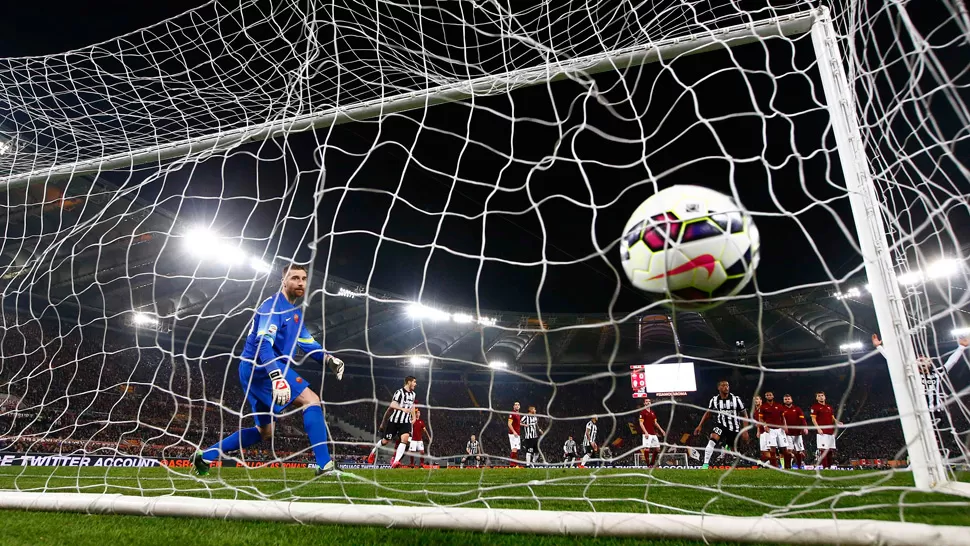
(717, 430)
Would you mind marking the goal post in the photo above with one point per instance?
(924, 451)
(498, 84)
(670, 526)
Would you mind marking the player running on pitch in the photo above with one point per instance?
(726, 408)
(268, 379)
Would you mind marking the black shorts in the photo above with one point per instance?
(531, 445)
(726, 437)
(588, 450)
(393, 431)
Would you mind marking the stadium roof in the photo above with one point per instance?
(80, 260)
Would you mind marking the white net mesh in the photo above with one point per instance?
(473, 244)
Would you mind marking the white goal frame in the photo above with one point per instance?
(926, 460)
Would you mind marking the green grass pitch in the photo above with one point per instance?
(870, 495)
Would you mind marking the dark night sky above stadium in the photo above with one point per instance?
(790, 179)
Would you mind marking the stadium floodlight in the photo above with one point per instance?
(144, 319)
(418, 311)
(940, 269)
(419, 361)
(5, 146)
(497, 364)
(202, 242)
(851, 347)
(853, 292)
(260, 266)
(960, 332)
(462, 318)
(487, 321)
(344, 293)
(943, 268)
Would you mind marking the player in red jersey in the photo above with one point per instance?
(773, 416)
(761, 432)
(823, 417)
(796, 427)
(416, 444)
(649, 426)
(515, 421)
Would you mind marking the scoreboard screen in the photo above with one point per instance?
(663, 379)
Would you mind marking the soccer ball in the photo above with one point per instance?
(690, 244)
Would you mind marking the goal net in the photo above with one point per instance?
(455, 178)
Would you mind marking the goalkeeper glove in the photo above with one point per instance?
(336, 366)
(281, 388)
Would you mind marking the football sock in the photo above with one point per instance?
(400, 452)
(708, 451)
(316, 431)
(788, 459)
(237, 440)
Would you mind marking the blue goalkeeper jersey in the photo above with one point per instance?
(276, 330)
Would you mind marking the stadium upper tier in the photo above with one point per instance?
(124, 263)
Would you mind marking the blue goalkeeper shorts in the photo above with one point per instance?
(259, 391)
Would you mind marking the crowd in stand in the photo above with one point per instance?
(72, 392)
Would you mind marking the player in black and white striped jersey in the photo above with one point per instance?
(530, 436)
(934, 378)
(589, 441)
(569, 452)
(402, 414)
(729, 421)
(472, 450)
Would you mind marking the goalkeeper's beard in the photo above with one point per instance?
(294, 294)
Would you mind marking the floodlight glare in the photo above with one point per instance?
(230, 255)
(144, 319)
(498, 364)
(943, 268)
(201, 242)
(260, 266)
(939, 269)
(851, 347)
(462, 318)
(418, 311)
(419, 361)
(960, 332)
(5, 147)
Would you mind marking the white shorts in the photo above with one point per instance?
(795, 443)
(763, 439)
(415, 446)
(825, 441)
(777, 438)
(514, 442)
(650, 441)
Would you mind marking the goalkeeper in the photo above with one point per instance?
(268, 380)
